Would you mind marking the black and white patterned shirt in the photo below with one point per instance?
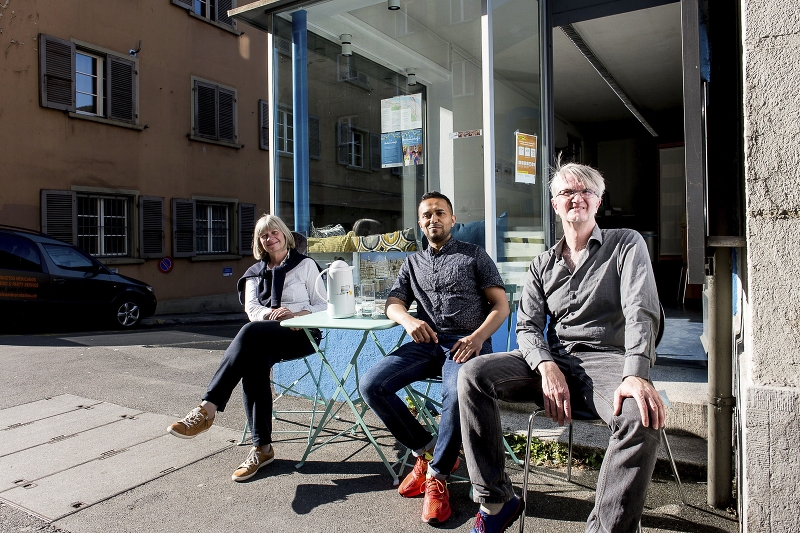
(448, 286)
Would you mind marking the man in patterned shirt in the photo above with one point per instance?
(461, 301)
(586, 328)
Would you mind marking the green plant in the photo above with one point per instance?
(553, 453)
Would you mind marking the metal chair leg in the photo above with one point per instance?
(526, 469)
(672, 463)
(569, 455)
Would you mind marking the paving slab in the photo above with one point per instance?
(102, 455)
(40, 409)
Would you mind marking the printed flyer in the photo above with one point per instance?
(412, 147)
(391, 149)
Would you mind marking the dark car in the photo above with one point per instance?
(43, 279)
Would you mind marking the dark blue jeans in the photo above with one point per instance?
(249, 358)
(414, 362)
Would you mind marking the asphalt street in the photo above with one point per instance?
(165, 369)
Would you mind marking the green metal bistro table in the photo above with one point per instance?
(368, 326)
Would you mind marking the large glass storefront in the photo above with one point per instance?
(436, 95)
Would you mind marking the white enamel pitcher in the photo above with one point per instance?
(341, 300)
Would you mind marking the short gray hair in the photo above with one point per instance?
(590, 177)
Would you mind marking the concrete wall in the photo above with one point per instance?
(47, 149)
(771, 362)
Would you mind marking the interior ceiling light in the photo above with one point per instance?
(587, 52)
(347, 44)
(411, 76)
(394, 5)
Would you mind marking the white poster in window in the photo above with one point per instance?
(401, 113)
(390, 115)
(525, 161)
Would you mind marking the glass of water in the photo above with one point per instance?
(367, 299)
(358, 299)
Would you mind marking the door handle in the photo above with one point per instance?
(59, 281)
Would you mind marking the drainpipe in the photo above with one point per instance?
(719, 291)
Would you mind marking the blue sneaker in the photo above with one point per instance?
(497, 523)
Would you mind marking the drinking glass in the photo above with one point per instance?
(359, 300)
(367, 299)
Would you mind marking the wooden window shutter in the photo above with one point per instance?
(227, 115)
(374, 151)
(205, 109)
(314, 138)
(183, 228)
(56, 73)
(151, 227)
(222, 12)
(263, 120)
(60, 215)
(247, 225)
(343, 143)
(186, 4)
(121, 89)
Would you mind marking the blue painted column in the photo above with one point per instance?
(302, 215)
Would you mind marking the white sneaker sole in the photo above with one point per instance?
(248, 476)
(173, 432)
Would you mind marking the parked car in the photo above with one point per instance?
(43, 279)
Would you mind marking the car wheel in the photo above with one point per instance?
(127, 314)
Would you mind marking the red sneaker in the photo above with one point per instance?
(436, 507)
(414, 483)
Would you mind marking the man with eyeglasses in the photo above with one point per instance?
(586, 329)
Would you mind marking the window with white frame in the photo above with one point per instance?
(103, 224)
(285, 130)
(87, 80)
(352, 147)
(212, 228)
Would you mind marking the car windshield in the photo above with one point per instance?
(67, 257)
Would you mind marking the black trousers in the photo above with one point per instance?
(249, 358)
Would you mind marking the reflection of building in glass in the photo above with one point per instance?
(382, 269)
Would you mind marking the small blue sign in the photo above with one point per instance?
(227, 271)
(165, 265)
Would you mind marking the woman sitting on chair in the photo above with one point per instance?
(280, 286)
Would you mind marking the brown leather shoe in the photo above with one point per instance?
(255, 460)
(191, 425)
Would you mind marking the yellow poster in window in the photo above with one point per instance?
(525, 168)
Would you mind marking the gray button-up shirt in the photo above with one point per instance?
(448, 286)
(609, 303)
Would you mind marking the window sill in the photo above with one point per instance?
(103, 120)
(212, 141)
(225, 27)
(120, 260)
(214, 257)
(358, 169)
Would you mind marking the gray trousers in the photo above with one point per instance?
(592, 378)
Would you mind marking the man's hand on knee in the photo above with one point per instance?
(555, 393)
(651, 407)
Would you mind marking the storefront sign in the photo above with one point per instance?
(525, 167)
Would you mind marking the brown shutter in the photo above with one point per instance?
(205, 109)
(186, 4)
(374, 151)
(247, 225)
(263, 120)
(60, 215)
(151, 227)
(222, 12)
(183, 228)
(227, 115)
(121, 89)
(314, 138)
(56, 73)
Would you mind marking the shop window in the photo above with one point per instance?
(104, 225)
(87, 81)
(286, 131)
(211, 10)
(202, 227)
(214, 116)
